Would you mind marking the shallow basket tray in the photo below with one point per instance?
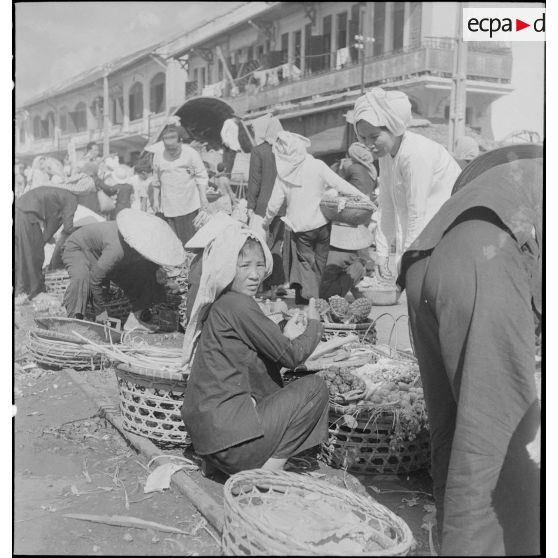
(366, 331)
(59, 353)
(45, 323)
(354, 213)
(150, 403)
(246, 534)
(365, 448)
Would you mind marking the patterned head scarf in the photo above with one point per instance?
(266, 128)
(290, 156)
(391, 109)
(218, 272)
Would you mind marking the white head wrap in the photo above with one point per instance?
(391, 109)
(466, 148)
(218, 272)
(266, 128)
(290, 156)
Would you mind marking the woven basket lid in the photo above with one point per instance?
(151, 237)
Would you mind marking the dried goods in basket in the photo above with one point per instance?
(281, 513)
(150, 403)
(56, 282)
(61, 353)
(347, 209)
(64, 329)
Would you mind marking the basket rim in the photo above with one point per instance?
(308, 483)
(361, 326)
(349, 204)
(126, 371)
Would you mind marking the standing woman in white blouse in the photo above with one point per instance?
(416, 174)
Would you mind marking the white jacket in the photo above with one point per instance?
(413, 186)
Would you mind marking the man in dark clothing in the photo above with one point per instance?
(47, 205)
(261, 178)
(473, 280)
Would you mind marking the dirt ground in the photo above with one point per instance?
(68, 460)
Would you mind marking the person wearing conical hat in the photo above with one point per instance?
(236, 409)
(466, 149)
(50, 207)
(129, 252)
(119, 182)
(474, 291)
(416, 173)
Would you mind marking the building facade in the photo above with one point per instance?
(141, 94)
(299, 60)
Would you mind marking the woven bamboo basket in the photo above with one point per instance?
(354, 212)
(56, 352)
(150, 402)
(119, 308)
(246, 533)
(56, 283)
(366, 331)
(366, 448)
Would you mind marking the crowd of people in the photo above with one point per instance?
(467, 237)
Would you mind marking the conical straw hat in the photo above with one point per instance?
(151, 237)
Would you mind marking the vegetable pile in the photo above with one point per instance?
(338, 310)
(342, 384)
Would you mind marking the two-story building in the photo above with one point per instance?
(142, 87)
(297, 59)
(301, 61)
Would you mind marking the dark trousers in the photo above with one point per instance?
(342, 272)
(309, 252)
(275, 244)
(294, 419)
(29, 254)
(472, 326)
(229, 155)
(183, 226)
(56, 259)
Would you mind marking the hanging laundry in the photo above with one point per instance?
(343, 58)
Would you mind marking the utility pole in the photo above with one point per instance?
(106, 111)
(458, 99)
(360, 43)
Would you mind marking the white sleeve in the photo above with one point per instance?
(333, 180)
(385, 232)
(276, 200)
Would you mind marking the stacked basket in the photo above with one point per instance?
(150, 402)
(56, 283)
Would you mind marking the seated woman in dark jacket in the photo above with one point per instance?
(236, 409)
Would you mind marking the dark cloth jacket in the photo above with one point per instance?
(513, 192)
(261, 178)
(239, 355)
(108, 253)
(54, 206)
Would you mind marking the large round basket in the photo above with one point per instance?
(353, 213)
(364, 445)
(150, 402)
(365, 331)
(56, 283)
(55, 351)
(246, 531)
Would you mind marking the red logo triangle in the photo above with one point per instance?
(519, 25)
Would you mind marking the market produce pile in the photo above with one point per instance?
(338, 310)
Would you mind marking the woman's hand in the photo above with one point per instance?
(295, 326)
(312, 310)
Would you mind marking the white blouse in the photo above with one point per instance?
(413, 186)
(303, 202)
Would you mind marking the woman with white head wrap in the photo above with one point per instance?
(301, 183)
(261, 178)
(236, 409)
(416, 173)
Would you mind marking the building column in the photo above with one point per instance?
(388, 47)
(126, 109)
